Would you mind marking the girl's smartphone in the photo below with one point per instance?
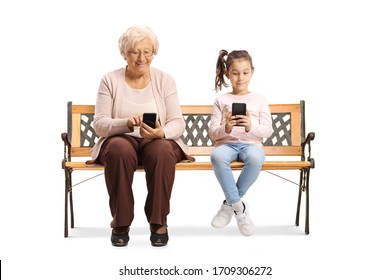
(150, 119)
(238, 109)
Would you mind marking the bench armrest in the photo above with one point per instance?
(67, 147)
(306, 144)
(310, 136)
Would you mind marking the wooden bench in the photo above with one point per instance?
(289, 142)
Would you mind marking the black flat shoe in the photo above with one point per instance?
(120, 239)
(159, 239)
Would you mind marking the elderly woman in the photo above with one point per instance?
(126, 141)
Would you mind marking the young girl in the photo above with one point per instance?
(238, 138)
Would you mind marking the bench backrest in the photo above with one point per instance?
(288, 124)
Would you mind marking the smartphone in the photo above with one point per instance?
(238, 109)
(150, 119)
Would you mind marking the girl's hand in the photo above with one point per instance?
(245, 121)
(229, 122)
(240, 120)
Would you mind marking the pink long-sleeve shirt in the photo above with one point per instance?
(260, 114)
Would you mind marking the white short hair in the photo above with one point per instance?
(135, 34)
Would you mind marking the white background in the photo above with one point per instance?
(332, 54)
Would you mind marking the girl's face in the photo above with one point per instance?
(240, 74)
(140, 58)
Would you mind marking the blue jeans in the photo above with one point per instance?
(250, 154)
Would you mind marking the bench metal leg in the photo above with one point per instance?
(71, 202)
(307, 203)
(303, 187)
(299, 198)
(68, 201)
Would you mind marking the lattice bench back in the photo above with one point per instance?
(288, 124)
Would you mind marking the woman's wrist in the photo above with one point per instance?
(161, 133)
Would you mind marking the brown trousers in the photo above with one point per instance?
(120, 156)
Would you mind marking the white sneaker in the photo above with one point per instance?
(223, 217)
(244, 222)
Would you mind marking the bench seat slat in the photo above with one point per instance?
(206, 151)
(268, 165)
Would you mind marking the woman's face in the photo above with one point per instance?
(140, 57)
(240, 74)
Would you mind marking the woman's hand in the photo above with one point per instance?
(151, 133)
(133, 121)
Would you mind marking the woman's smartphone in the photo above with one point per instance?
(150, 119)
(238, 109)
